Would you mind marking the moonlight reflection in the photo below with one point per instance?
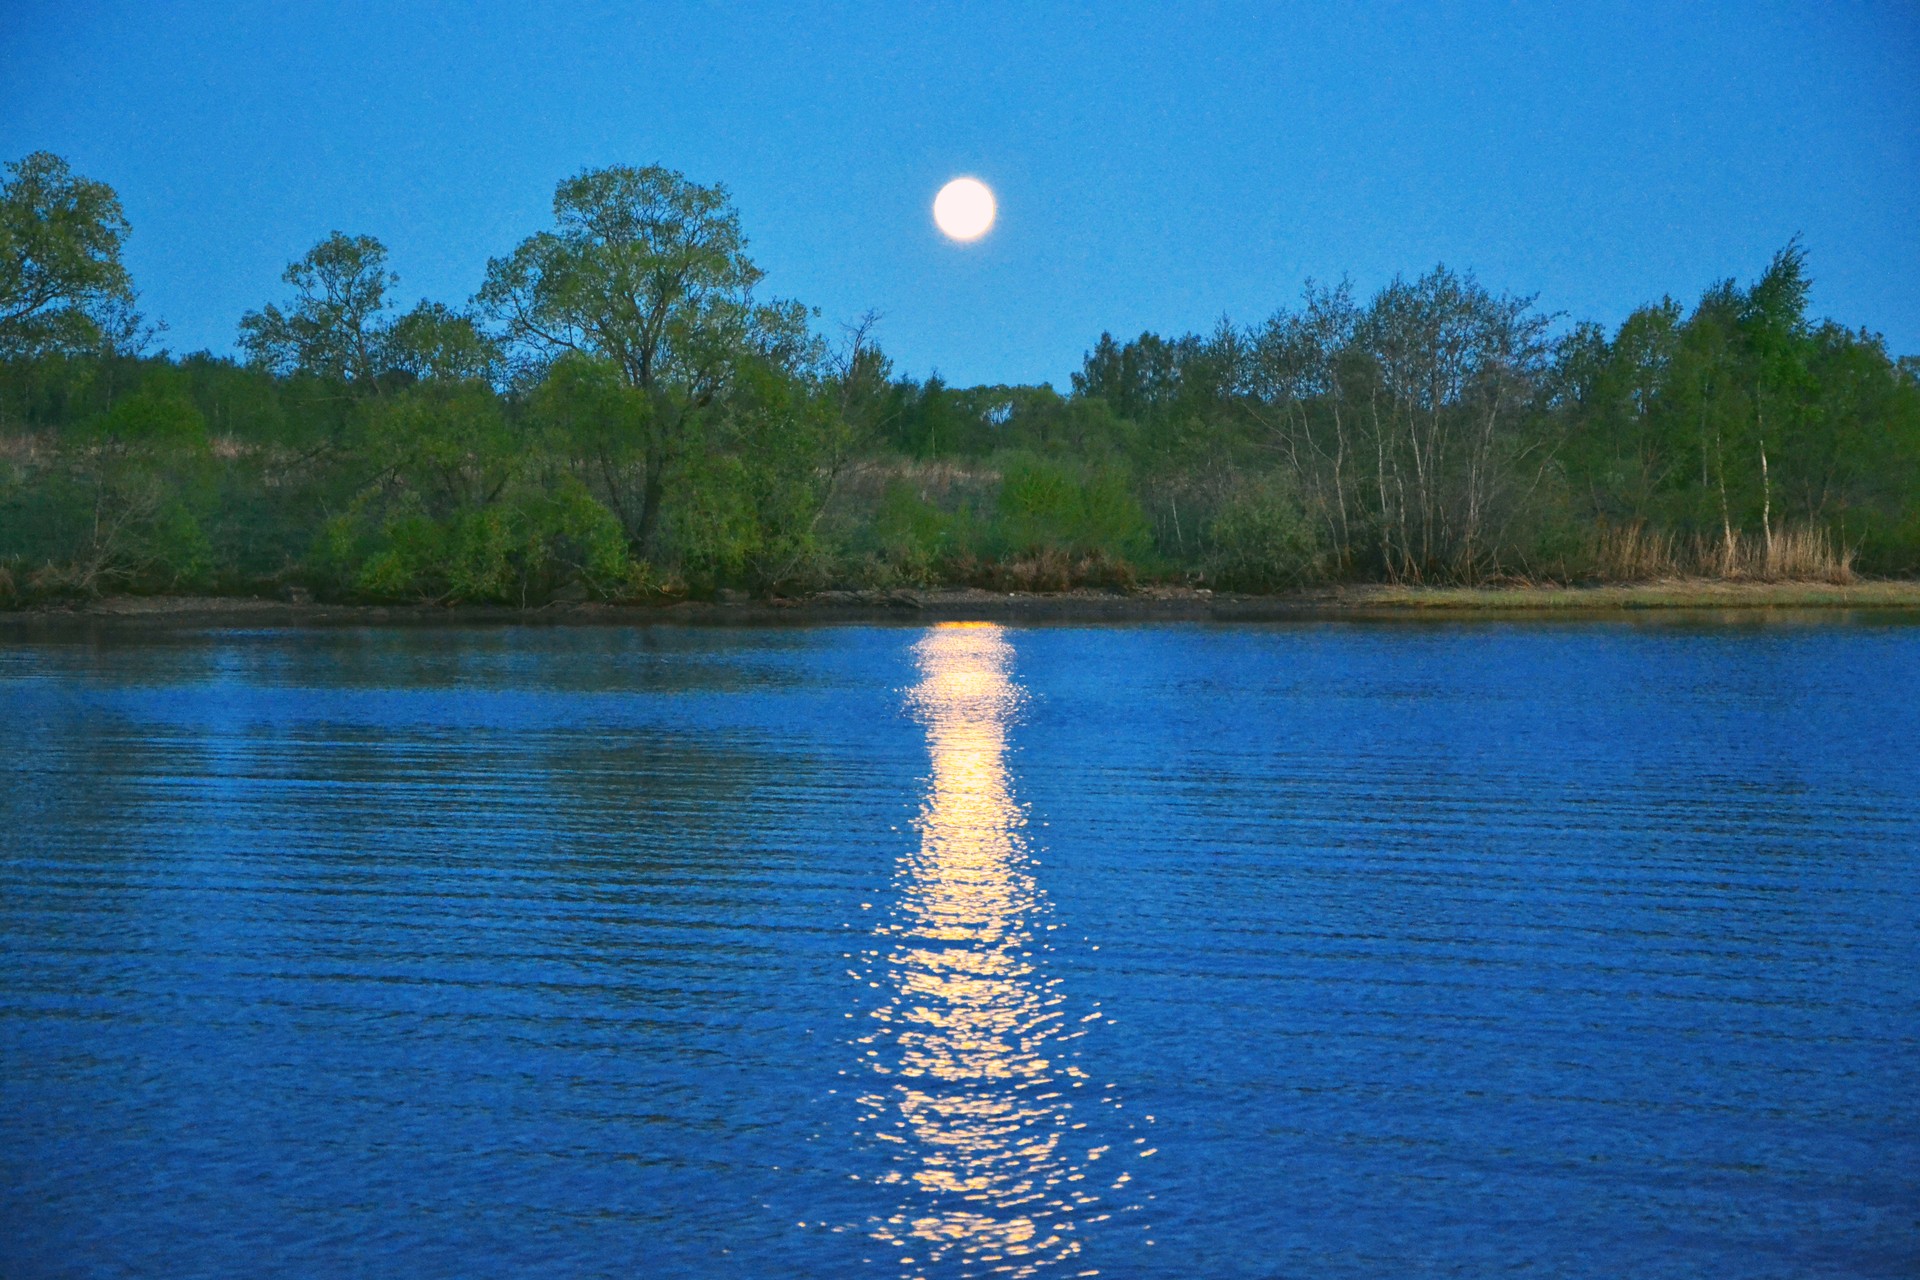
(973, 1085)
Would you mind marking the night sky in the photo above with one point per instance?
(1156, 166)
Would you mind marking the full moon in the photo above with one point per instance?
(964, 209)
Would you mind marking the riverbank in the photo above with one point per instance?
(1169, 604)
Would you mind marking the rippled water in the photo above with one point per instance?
(1319, 950)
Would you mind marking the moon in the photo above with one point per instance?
(964, 209)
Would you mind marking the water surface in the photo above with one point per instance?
(1321, 950)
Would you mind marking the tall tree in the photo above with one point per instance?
(62, 284)
(1295, 391)
(1778, 347)
(335, 327)
(1454, 372)
(647, 272)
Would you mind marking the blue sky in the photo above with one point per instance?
(1156, 166)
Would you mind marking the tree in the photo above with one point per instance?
(861, 377)
(1620, 452)
(648, 272)
(1142, 379)
(334, 327)
(1454, 373)
(1294, 389)
(1778, 343)
(433, 342)
(62, 285)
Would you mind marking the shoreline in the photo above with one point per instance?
(1153, 604)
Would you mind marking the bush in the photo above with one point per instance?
(1261, 540)
(120, 502)
(1046, 505)
(519, 549)
(911, 536)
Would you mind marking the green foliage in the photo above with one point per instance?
(160, 415)
(120, 502)
(457, 509)
(910, 536)
(519, 548)
(1746, 417)
(622, 416)
(1047, 504)
(646, 273)
(333, 328)
(1261, 540)
(435, 343)
(62, 285)
(753, 498)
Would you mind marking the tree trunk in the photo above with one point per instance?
(1339, 488)
(650, 495)
(1766, 502)
(1726, 518)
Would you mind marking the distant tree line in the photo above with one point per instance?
(619, 413)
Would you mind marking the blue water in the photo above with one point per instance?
(1323, 950)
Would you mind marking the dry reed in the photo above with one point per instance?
(1633, 553)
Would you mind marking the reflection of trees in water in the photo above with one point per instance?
(528, 660)
(447, 828)
(85, 795)
(368, 794)
(660, 800)
(592, 839)
(515, 660)
(973, 1079)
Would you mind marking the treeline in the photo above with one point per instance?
(619, 413)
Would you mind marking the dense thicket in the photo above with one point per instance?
(619, 414)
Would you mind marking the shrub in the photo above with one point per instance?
(1044, 504)
(1261, 540)
(518, 549)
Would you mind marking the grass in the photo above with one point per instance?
(1672, 593)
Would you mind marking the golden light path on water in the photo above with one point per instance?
(973, 1080)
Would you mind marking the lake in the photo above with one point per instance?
(1322, 950)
